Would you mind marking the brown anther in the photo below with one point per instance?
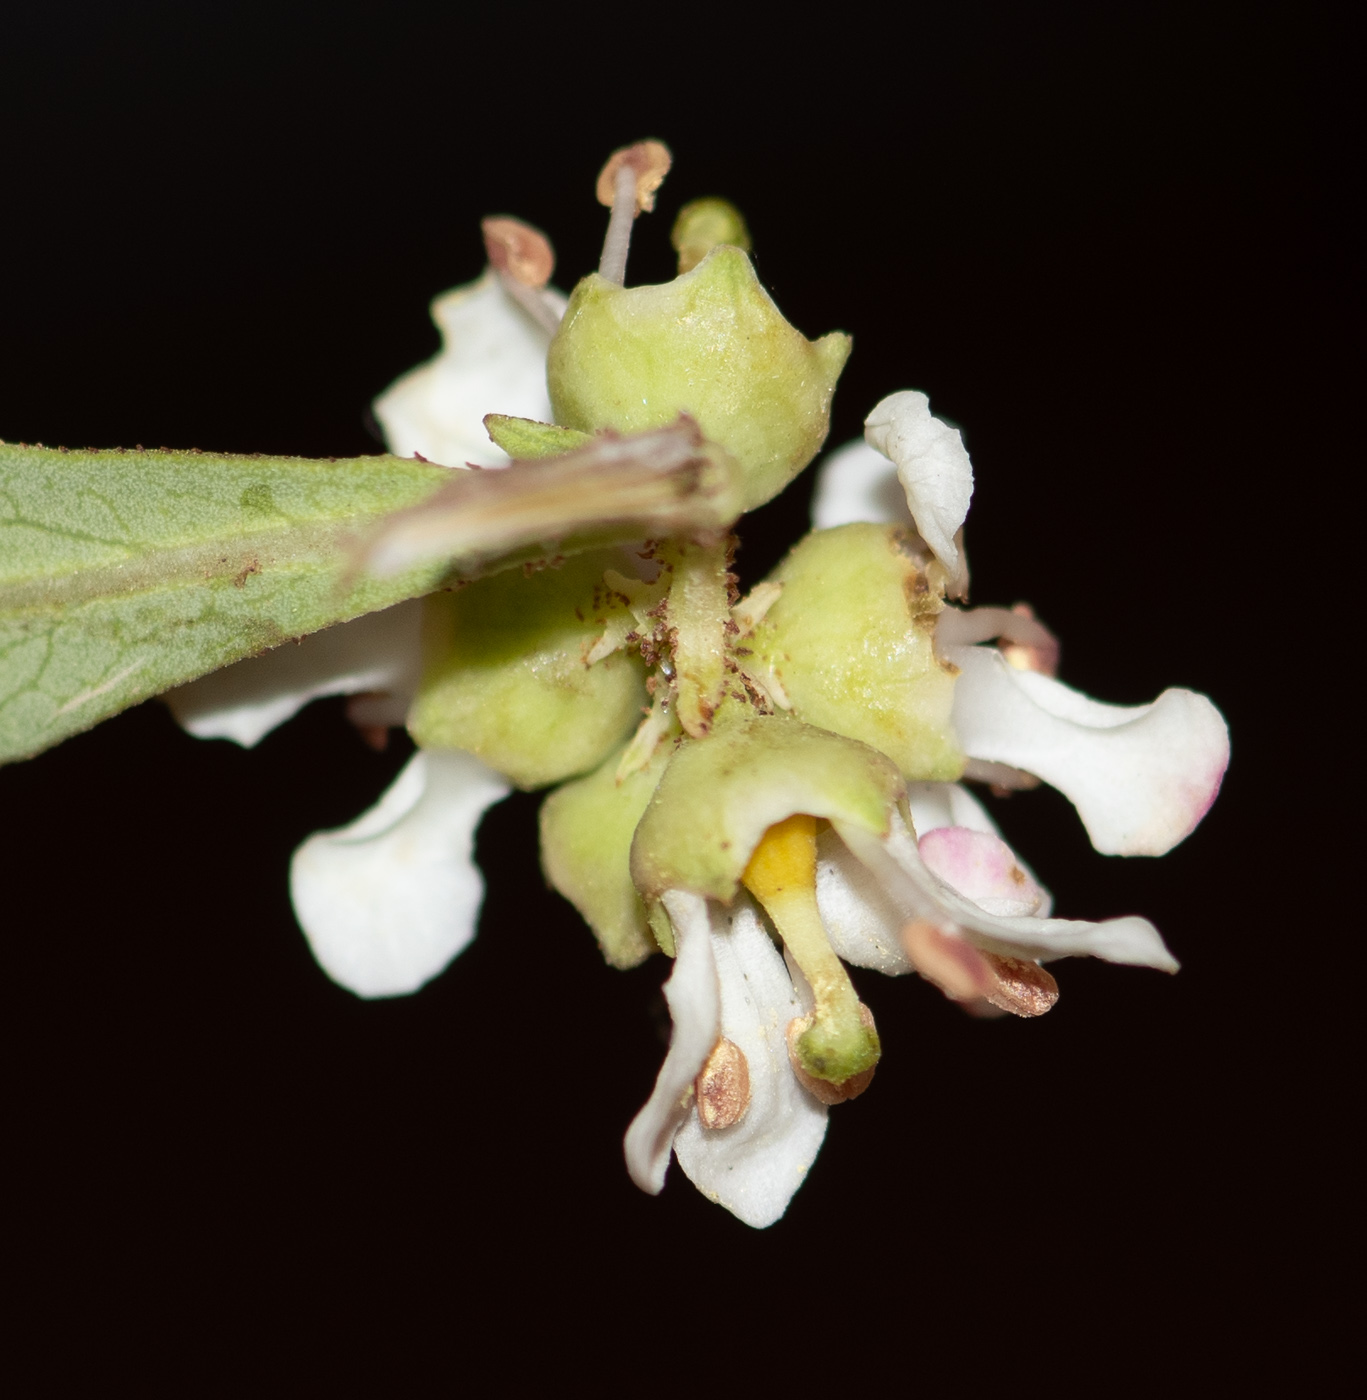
(1023, 988)
(723, 1086)
(517, 249)
(649, 159)
(974, 978)
(823, 1089)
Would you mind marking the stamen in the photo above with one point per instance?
(971, 976)
(1025, 642)
(836, 1043)
(723, 1086)
(627, 185)
(523, 258)
(697, 613)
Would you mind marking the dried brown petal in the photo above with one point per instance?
(649, 159)
(723, 1086)
(519, 250)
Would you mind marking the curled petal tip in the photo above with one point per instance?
(934, 469)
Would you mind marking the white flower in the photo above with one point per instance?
(1141, 777)
(388, 901)
(730, 982)
(957, 905)
(493, 360)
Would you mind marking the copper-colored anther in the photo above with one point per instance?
(649, 159)
(1023, 988)
(823, 1089)
(723, 1086)
(517, 249)
(953, 964)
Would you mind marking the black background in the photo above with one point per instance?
(1101, 242)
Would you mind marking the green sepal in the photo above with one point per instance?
(711, 344)
(720, 794)
(125, 573)
(586, 831)
(505, 676)
(526, 440)
(851, 640)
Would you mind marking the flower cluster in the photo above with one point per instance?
(765, 788)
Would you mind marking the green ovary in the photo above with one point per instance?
(851, 640)
(504, 675)
(711, 344)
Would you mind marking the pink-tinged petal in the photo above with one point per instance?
(754, 1167)
(858, 483)
(388, 901)
(493, 360)
(695, 1005)
(934, 805)
(982, 867)
(377, 653)
(913, 891)
(932, 465)
(1141, 777)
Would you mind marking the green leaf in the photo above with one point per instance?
(125, 573)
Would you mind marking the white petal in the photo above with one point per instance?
(695, 1006)
(388, 901)
(754, 1167)
(933, 467)
(915, 892)
(244, 702)
(1141, 777)
(493, 360)
(857, 482)
(947, 804)
(861, 922)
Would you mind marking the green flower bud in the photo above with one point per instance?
(702, 225)
(851, 641)
(586, 831)
(720, 794)
(505, 677)
(711, 344)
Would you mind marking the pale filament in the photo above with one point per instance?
(613, 265)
